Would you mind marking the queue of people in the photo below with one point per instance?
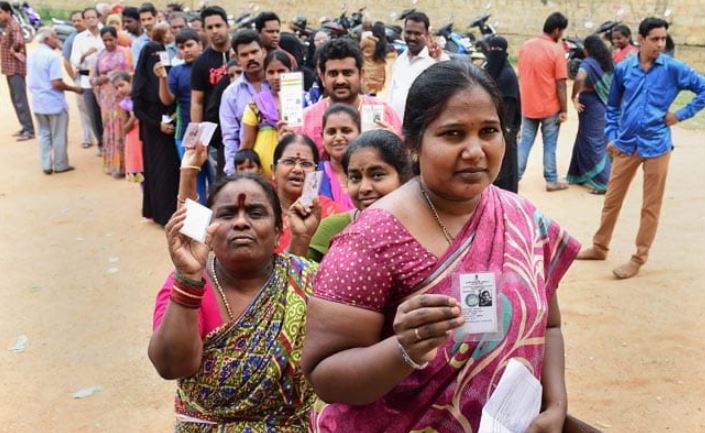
(355, 299)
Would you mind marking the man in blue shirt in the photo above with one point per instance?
(638, 130)
(147, 18)
(177, 22)
(50, 108)
(86, 129)
(250, 54)
(175, 86)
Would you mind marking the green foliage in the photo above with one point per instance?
(48, 12)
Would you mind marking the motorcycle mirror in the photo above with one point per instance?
(667, 13)
(589, 24)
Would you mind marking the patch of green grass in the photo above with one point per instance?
(696, 122)
(47, 13)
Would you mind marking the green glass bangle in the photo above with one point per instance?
(188, 281)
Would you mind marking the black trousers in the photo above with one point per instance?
(94, 114)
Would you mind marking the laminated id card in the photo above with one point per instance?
(291, 97)
(371, 114)
(312, 184)
(164, 58)
(479, 303)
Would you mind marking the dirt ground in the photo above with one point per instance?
(80, 269)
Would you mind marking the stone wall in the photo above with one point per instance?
(518, 19)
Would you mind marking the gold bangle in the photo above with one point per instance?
(190, 167)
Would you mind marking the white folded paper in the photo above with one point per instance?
(198, 218)
(515, 402)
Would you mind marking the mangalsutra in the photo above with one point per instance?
(446, 233)
(220, 291)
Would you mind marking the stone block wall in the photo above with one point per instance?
(518, 19)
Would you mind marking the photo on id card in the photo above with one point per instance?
(480, 305)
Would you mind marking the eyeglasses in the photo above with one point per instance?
(292, 162)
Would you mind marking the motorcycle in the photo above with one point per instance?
(459, 47)
(28, 31)
(33, 17)
(575, 49)
(487, 32)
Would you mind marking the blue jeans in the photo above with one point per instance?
(549, 131)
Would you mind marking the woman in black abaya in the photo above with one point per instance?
(161, 161)
(499, 68)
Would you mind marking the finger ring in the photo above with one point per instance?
(416, 333)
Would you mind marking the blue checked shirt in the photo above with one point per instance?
(639, 101)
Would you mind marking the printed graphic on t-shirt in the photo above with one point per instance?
(215, 74)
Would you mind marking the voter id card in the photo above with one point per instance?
(312, 184)
(479, 303)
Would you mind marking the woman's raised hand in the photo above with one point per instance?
(283, 129)
(195, 156)
(425, 322)
(189, 256)
(304, 220)
(159, 70)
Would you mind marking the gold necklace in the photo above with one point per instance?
(444, 229)
(220, 291)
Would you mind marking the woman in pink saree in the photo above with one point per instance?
(111, 60)
(387, 345)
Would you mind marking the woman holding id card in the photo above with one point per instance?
(420, 304)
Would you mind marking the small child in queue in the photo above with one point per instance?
(134, 165)
(247, 160)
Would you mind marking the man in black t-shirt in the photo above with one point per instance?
(210, 67)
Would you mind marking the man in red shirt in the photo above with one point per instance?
(13, 55)
(542, 83)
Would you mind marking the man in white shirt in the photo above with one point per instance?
(419, 55)
(84, 54)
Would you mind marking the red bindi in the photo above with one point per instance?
(241, 199)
